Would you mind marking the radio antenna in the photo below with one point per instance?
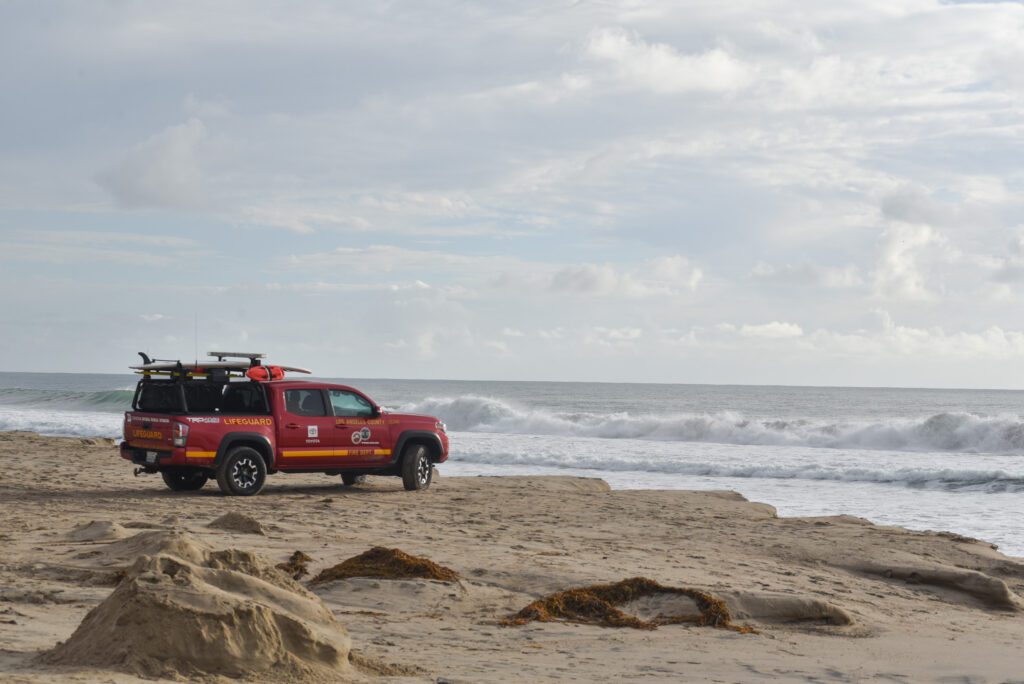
(197, 336)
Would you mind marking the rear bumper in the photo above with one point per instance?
(161, 457)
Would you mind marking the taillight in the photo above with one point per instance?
(180, 434)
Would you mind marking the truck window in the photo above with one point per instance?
(159, 397)
(244, 397)
(350, 404)
(305, 402)
(202, 397)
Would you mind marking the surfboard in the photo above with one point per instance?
(240, 366)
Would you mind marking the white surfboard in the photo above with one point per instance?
(241, 366)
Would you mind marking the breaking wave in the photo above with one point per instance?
(107, 400)
(954, 432)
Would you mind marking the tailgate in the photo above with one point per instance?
(149, 431)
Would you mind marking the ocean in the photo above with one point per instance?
(933, 459)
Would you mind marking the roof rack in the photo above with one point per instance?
(253, 357)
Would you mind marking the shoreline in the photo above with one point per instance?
(918, 606)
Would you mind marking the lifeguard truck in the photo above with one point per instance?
(238, 420)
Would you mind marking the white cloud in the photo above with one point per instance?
(894, 340)
(659, 276)
(163, 171)
(773, 331)
(898, 273)
(615, 338)
(663, 69)
(808, 275)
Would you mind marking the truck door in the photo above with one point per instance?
(363, 436)
(306, 430)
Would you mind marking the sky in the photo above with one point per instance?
(752, 192)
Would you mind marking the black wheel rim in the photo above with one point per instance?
(244, 473)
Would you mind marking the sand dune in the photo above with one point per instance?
(122, 580)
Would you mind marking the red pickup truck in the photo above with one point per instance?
(198, 421)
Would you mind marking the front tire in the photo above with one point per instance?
(416, 468)
(242, 473)
(185, 479)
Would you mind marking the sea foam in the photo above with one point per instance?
(957, 432)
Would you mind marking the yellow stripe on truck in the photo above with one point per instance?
(305, 453)
(192, 453)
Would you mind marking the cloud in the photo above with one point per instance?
(913, 205)
(163, 171)
(1008, 267)
(615, 338)
(898, 273)
(85, 247)
(810, 275)
(772, 331)
(993, 342)
(659, 276)
(663, 69)
(385, 259)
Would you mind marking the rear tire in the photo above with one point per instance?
(185, 479)
(416, 468)
(349, 479)
(242, 472)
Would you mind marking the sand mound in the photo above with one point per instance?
(98, 530)
(785, 608)
(296, 566)
(237, 522)
(170, 542)
(96, 441)
(229, 615)
(387, 564)
(607, 605)
(991, 591)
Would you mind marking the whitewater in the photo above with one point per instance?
(923, 459)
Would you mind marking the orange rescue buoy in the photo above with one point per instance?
(265, 373)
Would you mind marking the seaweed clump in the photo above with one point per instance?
(387, 564)
(599, 604)
(296, 566)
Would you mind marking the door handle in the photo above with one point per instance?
(343, 427)
(293, 426)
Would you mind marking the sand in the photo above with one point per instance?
(109, 577)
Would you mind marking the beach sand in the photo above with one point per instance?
(829, 599)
